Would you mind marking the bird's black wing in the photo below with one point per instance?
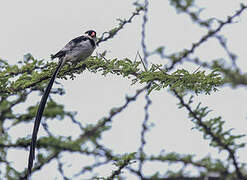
(59, 54)
(70, 45)
(38, 119)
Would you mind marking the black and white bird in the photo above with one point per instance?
(75, 51)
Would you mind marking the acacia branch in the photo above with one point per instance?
(210, 34)
(214, 137)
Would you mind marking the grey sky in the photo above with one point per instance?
(43, 27)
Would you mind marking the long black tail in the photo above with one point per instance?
(38, 118)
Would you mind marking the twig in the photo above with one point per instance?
(114, 31)
(143, 33)
(210, 34)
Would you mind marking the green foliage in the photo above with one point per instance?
(124, 160)
(181, 79)
(182, 5)
(213, 130)
(29, 75)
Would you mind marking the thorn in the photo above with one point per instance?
(197, 69)
(142, 61)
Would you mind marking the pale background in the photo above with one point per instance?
(44, 27)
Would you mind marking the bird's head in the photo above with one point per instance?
(92, 34)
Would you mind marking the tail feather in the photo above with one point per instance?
(38, 118)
